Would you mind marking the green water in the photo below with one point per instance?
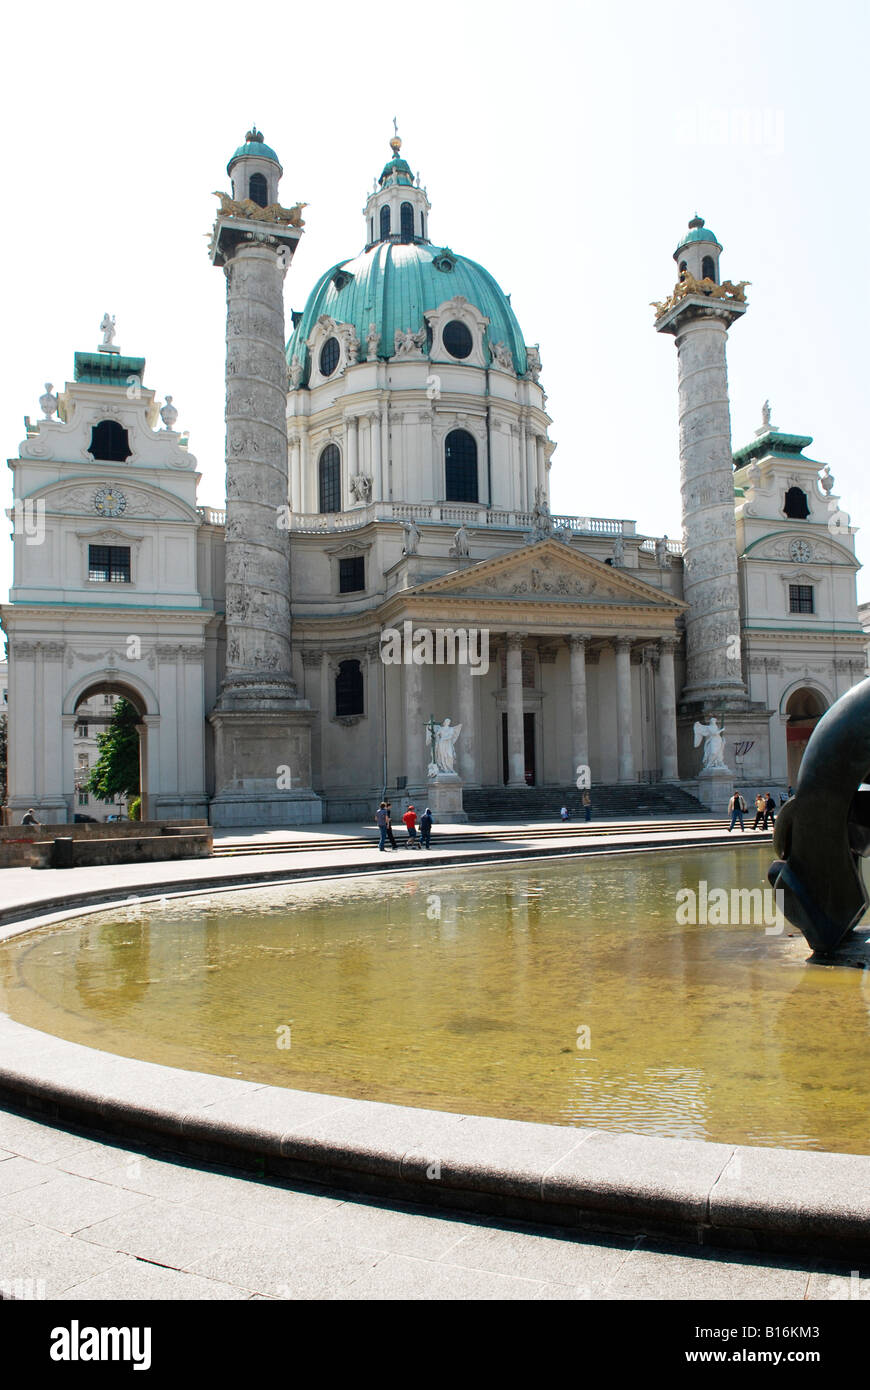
(469, 990)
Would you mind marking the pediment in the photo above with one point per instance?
(545, 572)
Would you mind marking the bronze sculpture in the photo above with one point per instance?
(823, 831)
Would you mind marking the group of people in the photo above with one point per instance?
(765, 809)
(384, 822)
(565, 814)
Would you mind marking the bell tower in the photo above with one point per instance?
(261, 726)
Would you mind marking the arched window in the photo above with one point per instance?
(385, 222)
(348, 689)
(407, 213)
(109, 441)
(329, 477)
(258, 190)
(460, 466)
(708, 269)
(796, 504)
(371, 229)
(683, 269)
(422, 225)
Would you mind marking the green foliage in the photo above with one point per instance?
(134, 810)
(116, 771)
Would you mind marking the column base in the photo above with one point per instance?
(262, 756)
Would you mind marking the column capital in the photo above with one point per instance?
(622, 644)
(312, 656)
(668, 644)
(515, 640)
(578, 641)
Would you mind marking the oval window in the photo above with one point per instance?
(457, 339)
(329, 355)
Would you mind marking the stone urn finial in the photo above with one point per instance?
(168, 414)
(48, 402)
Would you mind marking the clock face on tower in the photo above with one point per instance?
(801, 550)
(109, 501)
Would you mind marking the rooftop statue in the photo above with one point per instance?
(107, 328)
(823, 831)
(687, 284)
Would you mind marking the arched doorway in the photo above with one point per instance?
(95, 709)
(804, 708)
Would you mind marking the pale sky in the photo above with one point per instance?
(564, 146)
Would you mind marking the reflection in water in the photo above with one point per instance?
(477, 990)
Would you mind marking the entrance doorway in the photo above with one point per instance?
(804, 708)
(100, 709)
(528, 749)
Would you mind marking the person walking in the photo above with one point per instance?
(390, 836)
(769, 810)
(587, 805)
(425, 828)
(410, 819)
(760, 804)
(736, 806)
(381, 823)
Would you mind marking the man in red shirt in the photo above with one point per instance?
(410, 819)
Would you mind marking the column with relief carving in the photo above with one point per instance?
(623, 709)
(514, 694)
(667, 709)
(262, 726)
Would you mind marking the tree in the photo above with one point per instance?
(116, 771)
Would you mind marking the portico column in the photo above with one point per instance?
(514, 684)
(623, 709)
(540, 466)
(306, 500)
(467, 717)
(295, 498)
(667, 707)
(415, 731)
(579, 729)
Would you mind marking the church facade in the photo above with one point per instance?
(388, 559)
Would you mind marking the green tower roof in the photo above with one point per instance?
(697, 232)
(255, 147)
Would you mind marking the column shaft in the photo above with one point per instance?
(623, 709)
(514, 683)
(467, 717)
(415, 730)
(667, 709)
(579, 723)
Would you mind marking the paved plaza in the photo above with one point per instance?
(83, 1219)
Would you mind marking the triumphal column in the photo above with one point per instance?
(262, 727)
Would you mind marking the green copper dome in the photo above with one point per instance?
(255, 147)
(697, 232)
(393, 284)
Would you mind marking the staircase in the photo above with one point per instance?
(623, 801)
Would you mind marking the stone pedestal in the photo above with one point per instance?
(263, 758)
(715, 789)
(445, 799)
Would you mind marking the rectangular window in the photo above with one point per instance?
(352, 575)
(800, 598)
(83, 798)
(109, 564)
(81, 730)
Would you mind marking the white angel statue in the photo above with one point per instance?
(713, 739)
(444, 738)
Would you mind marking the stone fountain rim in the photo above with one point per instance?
(745, 1197)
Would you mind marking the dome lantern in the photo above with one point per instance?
(397, 209)
(698, 252)
(255, 170)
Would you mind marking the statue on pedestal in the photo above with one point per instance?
(442, 744)
(713, 756)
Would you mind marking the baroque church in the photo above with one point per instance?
(388, 558)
